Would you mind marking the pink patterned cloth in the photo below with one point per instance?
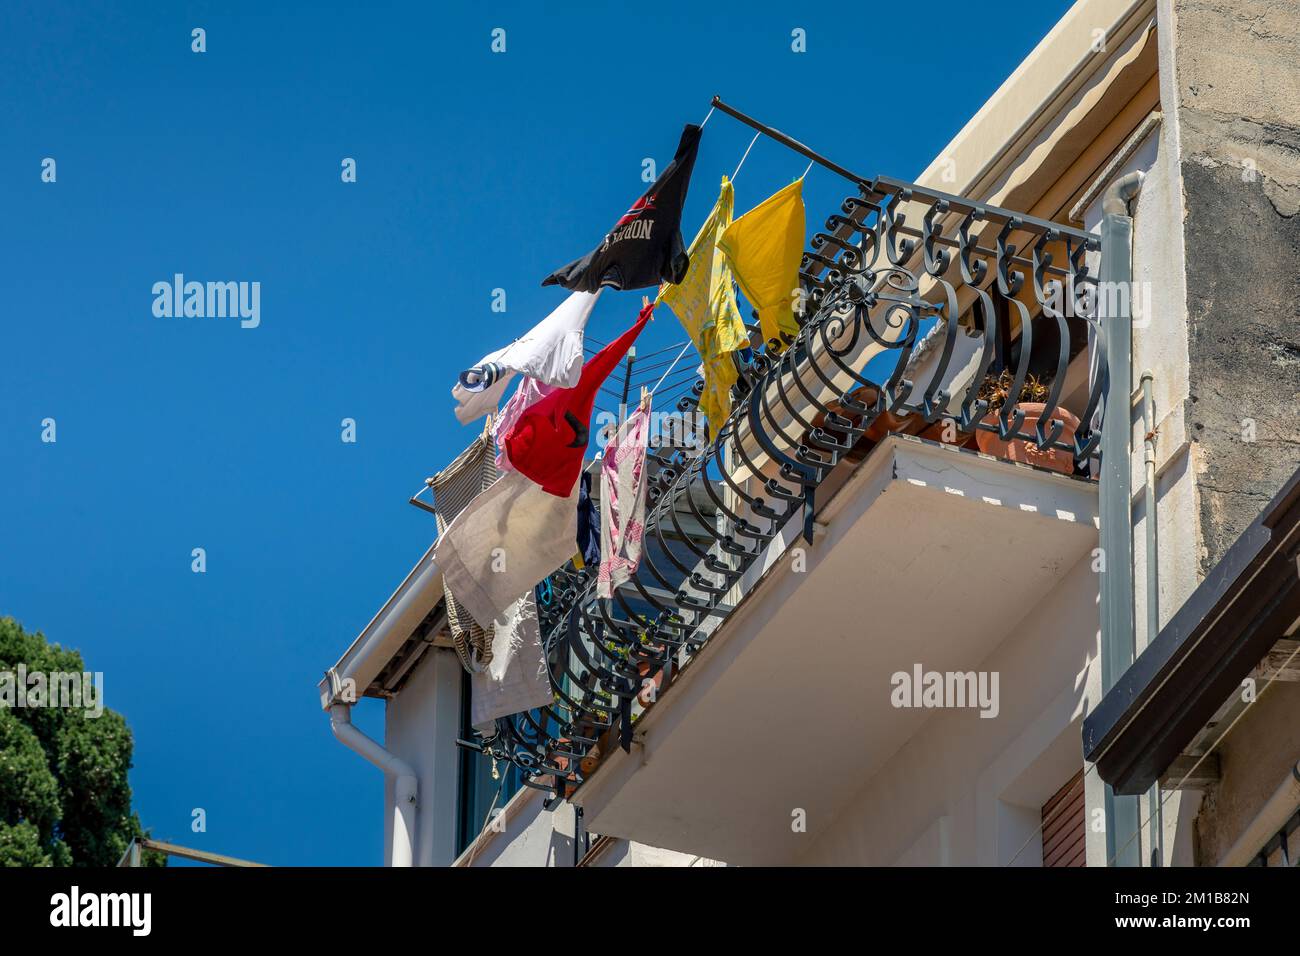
(622, 503)
(530, 390)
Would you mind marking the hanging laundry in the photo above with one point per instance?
(517, 678)
(588, 523)
(548, 441)
(705, 304)
(645, 246)
(623, 478)
(526, 395)
(765, 247)
(550, 352)
(454, 488)
(506, 540)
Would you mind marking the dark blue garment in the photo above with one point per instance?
(588, 524)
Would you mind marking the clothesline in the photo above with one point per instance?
(670, 368)
(648, 355)
(680, 383)
(681, 380)
(745, 156)
(645, 373)
(644, 376)
(637, 373)
(666, 400)
(684, 376)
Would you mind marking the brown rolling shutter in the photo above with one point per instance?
(1065, 825)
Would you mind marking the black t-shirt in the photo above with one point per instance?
(645, 246)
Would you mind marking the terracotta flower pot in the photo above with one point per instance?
(1026, 451)
(884, 424)
(644, 694)
(562, 762)
(942, 431)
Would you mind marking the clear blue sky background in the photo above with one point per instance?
(475, 171)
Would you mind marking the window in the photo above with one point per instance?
(476, 788)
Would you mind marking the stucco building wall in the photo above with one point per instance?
(968, 791)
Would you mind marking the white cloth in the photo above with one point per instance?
(516, 679)
(504, 542)
(550, 352)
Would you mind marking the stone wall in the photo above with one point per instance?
(1238, 86)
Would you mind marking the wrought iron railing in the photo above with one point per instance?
(897, 258)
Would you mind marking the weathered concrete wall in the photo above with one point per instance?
(1238, 114)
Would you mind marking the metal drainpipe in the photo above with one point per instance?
(579, 847)
(1118, 647)
(1149, 496)
(406, 785)
(1155, 813)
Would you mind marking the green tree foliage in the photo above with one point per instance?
(64, 796)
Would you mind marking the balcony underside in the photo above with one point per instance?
(928, 555)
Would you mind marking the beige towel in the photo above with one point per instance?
(504, 542)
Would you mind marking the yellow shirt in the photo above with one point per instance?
(765, 247)
(705, 303)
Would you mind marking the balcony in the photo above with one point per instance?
(788, 705)
(836, 529)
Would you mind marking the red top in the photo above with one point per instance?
(547, 443)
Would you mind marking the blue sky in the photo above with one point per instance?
(475, 171)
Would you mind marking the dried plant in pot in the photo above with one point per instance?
(996, 390)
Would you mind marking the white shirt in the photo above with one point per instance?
(550, 352)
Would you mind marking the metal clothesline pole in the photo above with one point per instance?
(789, 142)
(627, 375)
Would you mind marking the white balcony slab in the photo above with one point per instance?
(928, 555)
